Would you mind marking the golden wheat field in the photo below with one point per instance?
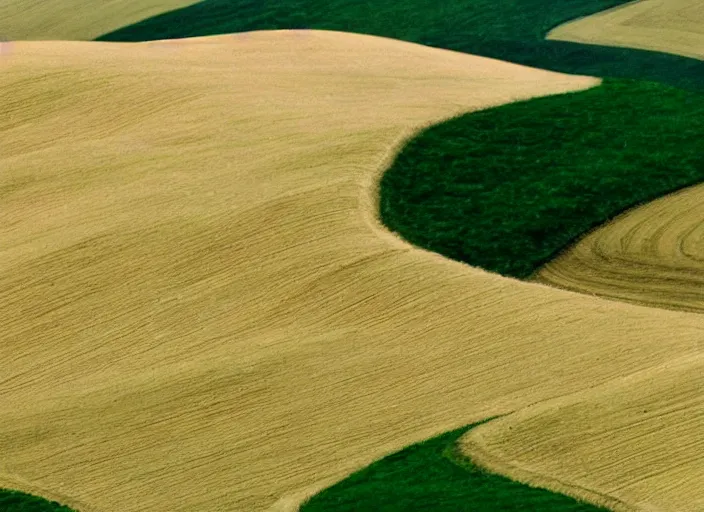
(608, 441)
(671, 26)
(649, 255)
(76, 19)
(201, 310)
(605, 443)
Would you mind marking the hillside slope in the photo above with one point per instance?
(75, 19)
(513, 31)
(672, 26)
(651, 255)
(639, 439)
(199, 307)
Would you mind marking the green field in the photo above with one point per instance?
(431, 476)
(506, 189)
(15, 501)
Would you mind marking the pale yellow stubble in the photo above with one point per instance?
(652, 255)
(81, 20)
(632, 444)
(671, 26)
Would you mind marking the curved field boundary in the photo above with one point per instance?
(510, 135)
(454, 133)
(22, 20)
(163, 198)
(648, 425)
(679, 80)
(649, 255)
(431, 476)
(18, 495)
(511, 31)
(507, 189)
(672, 26)
(16, 501)
(455, 213)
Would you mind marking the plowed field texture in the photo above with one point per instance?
(307, 255)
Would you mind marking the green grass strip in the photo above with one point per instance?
(510, 30)
(506, 189)
(429, 476)
(15, 501)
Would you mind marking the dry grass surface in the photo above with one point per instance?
(76, 19)
(651, 255)
(200, 310)
(671, 26)
(633, 443)
(638, 439)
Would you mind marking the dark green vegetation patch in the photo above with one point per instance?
(15, 501)
(432, 476)
(511, 30)
(506, 189)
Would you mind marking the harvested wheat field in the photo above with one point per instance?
(75, 19)
(634, 443)
(651, 255)
(607, 442)
(199, 308)
(671, 26)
